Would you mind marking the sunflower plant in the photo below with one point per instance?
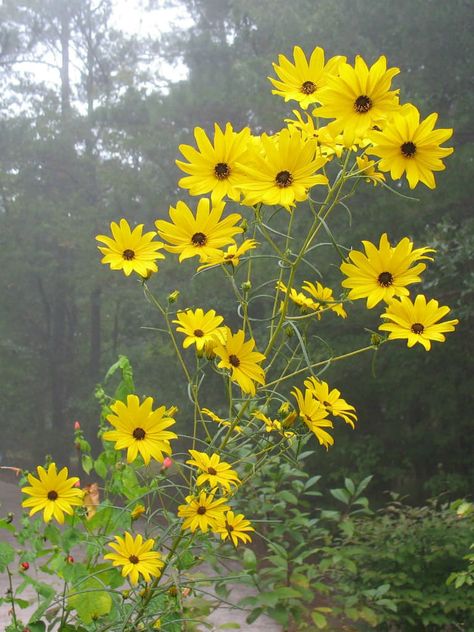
(170, 487)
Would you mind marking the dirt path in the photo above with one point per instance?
(10, 499)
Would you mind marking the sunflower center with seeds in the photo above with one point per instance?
(234, 360)
(198, 333)
(222, 171)
(417, 328)
(284, 179)
(308, 87)
(199, 239)
(128, 254)
(408, 149)
(211, 471)
(385, 279)
(362, 104)
(52, 495)
(133, 559)
(139, 434)
(201, 511)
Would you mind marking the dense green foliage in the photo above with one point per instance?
(101, 143)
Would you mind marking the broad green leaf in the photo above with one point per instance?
(340, 494)
(7, 555)
(319, 619)
(89, 601)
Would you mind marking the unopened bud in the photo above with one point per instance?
(25, 566)
(375, 340)
(289, 331)
(77, 425)
(173, 297)
(246, 286)
(244, 225)
(70, 559)
(167, 463)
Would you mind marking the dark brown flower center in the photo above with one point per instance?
(199, 239)
(139, 434)
(222, 171)
(128, 254)
(385, 279)
(211, 471)
(284, 179)
(417, 328)
(52, 495)
(308, 87)
(362, 104)
(133, 559)
(234, 360)
(201, 511)
(198, 333)
(230, 527)
(408, 149)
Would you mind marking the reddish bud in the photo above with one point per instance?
(70, 559)
(25, 566)
(167, 462)
(77, 425)
(77, 484)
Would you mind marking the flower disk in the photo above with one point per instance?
(213, 166)
(407, 146)
(302, 80)
(203, 512)
(283, 171)
(200, 328)
(53, 493)
(201, 235)
(214, 471)
(140, 429)
(238, 356)
(130, 250)
(135, 557)
(383, 272)
(417, 322)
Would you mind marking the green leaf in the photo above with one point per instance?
(7, 555)
(250, 561)
(350, 486)
(253, 616)
(5, 523)
(90, 603)
(37, 626)
(87, 463)
(288, 497)
(100, 466)
(340, 494)
(319, 619)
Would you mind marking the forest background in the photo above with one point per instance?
(100, 143)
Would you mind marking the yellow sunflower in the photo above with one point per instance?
(53, 493)
(331, 399)
(383, 272)
(235, 527)
(368, 171)
(272, 425)
(213, 167)
(214, 471)
(140, 429)
(325, 297)
(219, 420)
(136, 557)
(418, 321)
(201, 235)
(315, 415)
(284, 172)
(359, 98)
(231, 256)
(238, 356)
(200, 328)
(302, 80)
(298, 298)
(130, 250)
(409, 146)
(203, 512)
(327, 145)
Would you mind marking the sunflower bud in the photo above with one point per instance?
(173, 297)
